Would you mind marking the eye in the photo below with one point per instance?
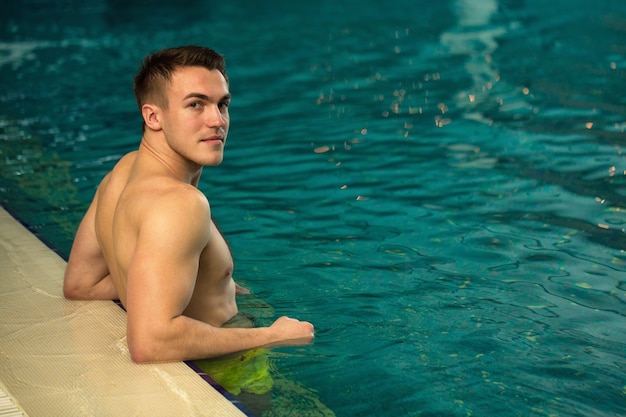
(223, 105)
(196, 105)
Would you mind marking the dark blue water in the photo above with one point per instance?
(438, 186)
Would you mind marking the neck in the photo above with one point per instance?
(175, 167)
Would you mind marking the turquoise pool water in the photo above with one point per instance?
(438, 186)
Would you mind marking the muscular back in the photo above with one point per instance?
(158, 240)
(106, 201)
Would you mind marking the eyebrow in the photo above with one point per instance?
(205, 97)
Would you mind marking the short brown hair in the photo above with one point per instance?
(157, 68)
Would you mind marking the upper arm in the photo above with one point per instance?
(86, 265)
(164, 266)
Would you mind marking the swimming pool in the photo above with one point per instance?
(439, 188)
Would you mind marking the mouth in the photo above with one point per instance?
(213, 139)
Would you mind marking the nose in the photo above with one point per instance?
(215, 117)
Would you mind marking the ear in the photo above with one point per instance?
(151, 116)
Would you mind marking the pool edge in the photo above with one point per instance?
(32, 274)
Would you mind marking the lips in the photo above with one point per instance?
(214, 139)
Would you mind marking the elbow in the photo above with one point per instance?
(140, 352)
(75, 292)
(145, 349)
(67, 293)
(72, 292)
(140, 356)
(71, 288)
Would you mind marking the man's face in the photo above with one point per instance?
(196, 122)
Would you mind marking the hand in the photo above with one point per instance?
(239, 290)
(292, 332)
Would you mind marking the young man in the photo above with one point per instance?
(147, 238)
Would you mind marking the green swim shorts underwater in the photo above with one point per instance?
(247, 372)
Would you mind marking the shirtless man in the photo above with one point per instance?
(147, 238)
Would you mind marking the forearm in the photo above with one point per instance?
(184, 338)
(77, 289)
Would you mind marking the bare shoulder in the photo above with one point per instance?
(180, 197)
(126, 160)
(123, 167)
(118, 176)
(179, 209)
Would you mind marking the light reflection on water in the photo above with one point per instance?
(440, 189)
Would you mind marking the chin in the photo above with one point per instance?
(212, 162)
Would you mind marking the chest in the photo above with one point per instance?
(216, 259)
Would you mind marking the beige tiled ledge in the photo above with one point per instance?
(70, 358)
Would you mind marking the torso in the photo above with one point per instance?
(123, 196)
